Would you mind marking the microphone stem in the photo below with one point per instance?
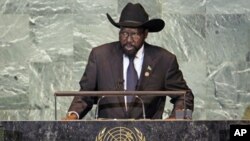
(97, 107)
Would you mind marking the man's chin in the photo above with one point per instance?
(130, 53)
(129, 50)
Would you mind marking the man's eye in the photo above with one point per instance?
(124, 33)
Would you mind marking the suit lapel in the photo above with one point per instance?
(147, 66)
(116, 65)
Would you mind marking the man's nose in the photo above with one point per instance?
(129, 39)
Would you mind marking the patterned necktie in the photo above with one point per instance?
(132, 78)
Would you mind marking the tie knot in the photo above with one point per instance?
(131, 59)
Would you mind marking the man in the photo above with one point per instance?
(131, 64)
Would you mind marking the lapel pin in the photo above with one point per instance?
(149, 68)
(146, 74)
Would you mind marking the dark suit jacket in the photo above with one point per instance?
(104, 72)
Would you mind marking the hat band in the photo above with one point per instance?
(129, 21)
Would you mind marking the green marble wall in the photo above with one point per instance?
(44, 46)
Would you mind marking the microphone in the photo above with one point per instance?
(118, 86)
(97, 107)
(143, 107)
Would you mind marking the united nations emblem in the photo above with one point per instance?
(120, 134)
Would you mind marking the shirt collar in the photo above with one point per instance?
(140, 52)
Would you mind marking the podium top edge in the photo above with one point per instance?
(119, 93)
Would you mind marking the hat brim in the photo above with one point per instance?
(153, 25)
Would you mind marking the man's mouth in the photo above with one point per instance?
(129, 47)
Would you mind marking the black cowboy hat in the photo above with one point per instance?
(134, 15)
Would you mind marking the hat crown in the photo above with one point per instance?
(134, 13)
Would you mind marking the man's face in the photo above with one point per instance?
(131, 39)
